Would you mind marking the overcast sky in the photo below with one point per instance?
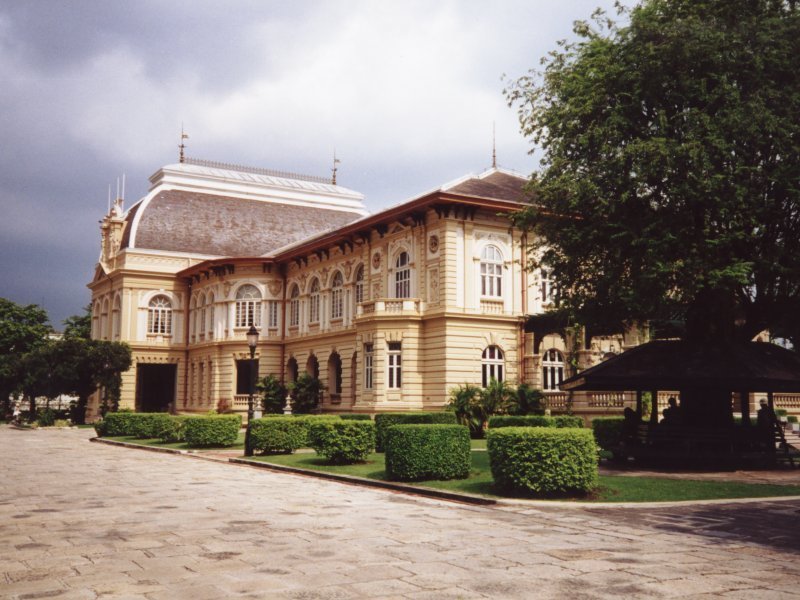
(406, 92)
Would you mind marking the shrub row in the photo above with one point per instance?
(138, 425)
(213, 430)
(283, 434)
(608, 431)
(543, 460)
(559, 421)
(342, 442)
(417, 452)
(385, 420)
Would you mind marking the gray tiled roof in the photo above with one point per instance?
(499, 185)
(205, 224)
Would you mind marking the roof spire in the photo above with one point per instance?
(494, 147)
(182, 146)
(336, 161)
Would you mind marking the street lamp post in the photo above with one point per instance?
(252, 342)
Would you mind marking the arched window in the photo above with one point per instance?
(210, 317)
(294, 306)
(402, 276)
(291, 368)
(552, 370)
(491, 272)
(312, 366)
(201, 314)
(313, 302)
(336, 296)
(492, 365)
(248, 306)
(104, 320)
(159, 316)
(96, 321)
(335, 376)
(359, 298)
(116, 312)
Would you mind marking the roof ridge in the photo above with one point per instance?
(213, 164)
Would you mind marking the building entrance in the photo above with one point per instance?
(155, 387)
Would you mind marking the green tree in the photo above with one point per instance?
(22, 328)
(273, 394)
(79, 326)
(463, 401)
(305, 393)
(670, 179)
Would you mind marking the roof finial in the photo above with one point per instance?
(336, 161)
(184, 136)
(494, 147)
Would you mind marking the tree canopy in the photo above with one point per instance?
(670, 178)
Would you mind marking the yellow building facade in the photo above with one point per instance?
(391, 310)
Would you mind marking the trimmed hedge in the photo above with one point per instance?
(216, 430)
(172, 428)
(542, 460)
(355, 417)
(417, 452)
(521, 421)
(283, 434)
(343, 442)
(572, 421)
(138, 425)
(385, 420)
(608, 431)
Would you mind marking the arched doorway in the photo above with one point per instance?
(291, 370)
(335, 377)
(312, 366)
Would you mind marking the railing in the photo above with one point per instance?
(391, 306)
(492, 307)
(606, 399)
(556, 400)
(240, 401)
(786, 401)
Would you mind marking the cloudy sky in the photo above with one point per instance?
(405, 91)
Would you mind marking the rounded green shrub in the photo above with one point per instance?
(608, 431)
(171, 428)
(543, 461)
(278, 435)
(218, 430)
(521, 421)
(342, 442)
(418, 452)
(138, 425)
(385, 420)
(568, 421)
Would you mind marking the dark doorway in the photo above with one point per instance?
(155, 387)
(246, 372)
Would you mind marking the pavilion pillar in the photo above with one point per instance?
(639, 407)
(654, 410)
(744, 403)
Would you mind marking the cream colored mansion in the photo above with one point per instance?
(390, 310)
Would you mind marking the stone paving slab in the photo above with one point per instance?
(80, 520)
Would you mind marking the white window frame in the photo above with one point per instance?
(394, 365)
(402, 276)
(369, 362)
(159, 315)
(313, 302)
(272, 314)
(360, 285)
(248, 306)
(546, 286)
(294, 307)
(552, 370)
(337, 288)
(491, 272)
(492, 365)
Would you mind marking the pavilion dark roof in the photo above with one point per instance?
(182, 221)
(499, 185)
(678, 365)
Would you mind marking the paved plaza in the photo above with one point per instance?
(81, 520)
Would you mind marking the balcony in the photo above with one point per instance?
(390, 307)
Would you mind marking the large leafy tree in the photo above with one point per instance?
(22, 328)
(670, 183)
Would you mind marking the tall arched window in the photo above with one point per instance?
(335, 376)
(201, 314)
(159, 316)
(492, 365)
(210, 326)
(336, 296)
(491, 272)
(96, 321)
(402, 276)
(359, 297)
(248, 306)
(294, 306)
(104, 320)
(116, 315)
(313, 302)
(552, 370)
